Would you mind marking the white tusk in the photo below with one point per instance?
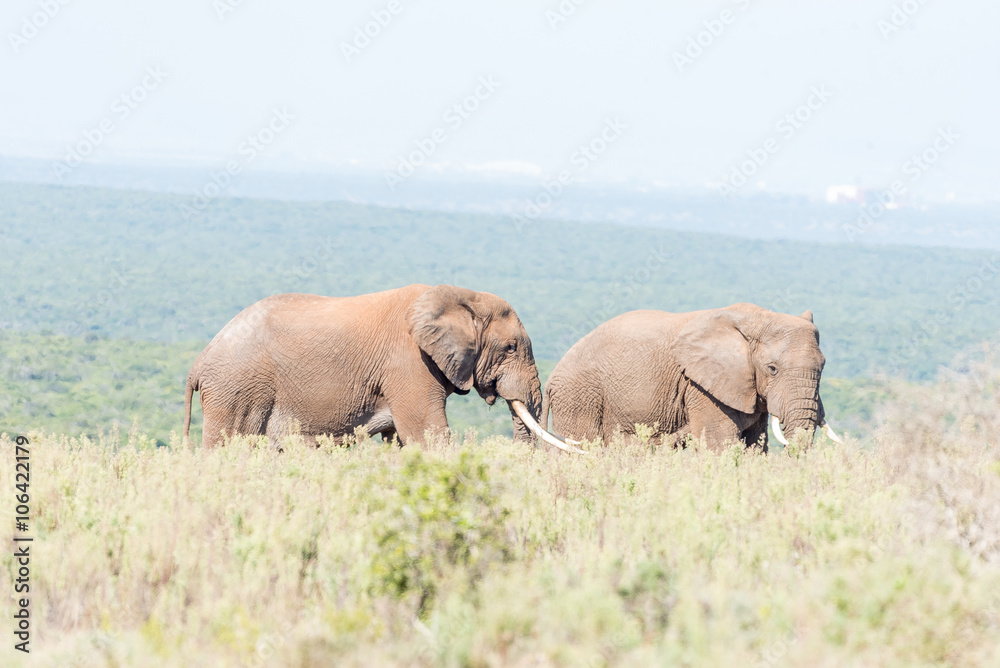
(522, 412)
(829, 433)
(776, 428)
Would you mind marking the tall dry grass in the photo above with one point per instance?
(942, 439)
(487, 553)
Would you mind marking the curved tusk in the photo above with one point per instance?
(522, 412)
(776, 428)
(830, 434)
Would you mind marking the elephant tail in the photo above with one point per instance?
(192, 387)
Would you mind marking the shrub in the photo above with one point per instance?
(943, 440)
(432, 518)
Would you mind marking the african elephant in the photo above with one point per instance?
(385, 362)
(713, 374)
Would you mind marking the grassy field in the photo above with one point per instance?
(480, 552)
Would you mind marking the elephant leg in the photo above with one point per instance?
(423, 432)
(710, 419)
(277, 425)
(211, 432)
(755, 436)
(575, 416)
(274, 439)
(413, 423)
(218, 421)
(607, 430)
(584, 428)
(214, 419)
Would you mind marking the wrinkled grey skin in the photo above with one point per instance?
(385, 361)
(713, 374)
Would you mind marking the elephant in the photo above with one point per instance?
(385, 362)
(714, 374)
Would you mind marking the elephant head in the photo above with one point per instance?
(475, 339)
(755, 360)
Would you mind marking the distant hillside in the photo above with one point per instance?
(127, 264)
(752, 214)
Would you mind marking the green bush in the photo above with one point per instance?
(430, 519)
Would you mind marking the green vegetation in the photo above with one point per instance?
(83, 385)
(434, 521)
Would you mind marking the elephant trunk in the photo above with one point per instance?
(802, 416)
(532, 400)
(801, 409)
(526, 414)
(805, 424)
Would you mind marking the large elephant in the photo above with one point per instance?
(385, 362)
(713, 374)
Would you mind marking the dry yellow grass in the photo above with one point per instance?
(493, 554)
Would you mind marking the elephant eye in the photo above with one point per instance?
(773, 370)
(512, 347)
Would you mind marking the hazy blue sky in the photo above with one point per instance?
(224, 72)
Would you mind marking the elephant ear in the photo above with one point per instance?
(442, 323)
(712, 352)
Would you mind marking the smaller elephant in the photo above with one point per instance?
(384, 362)
(714, 374)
